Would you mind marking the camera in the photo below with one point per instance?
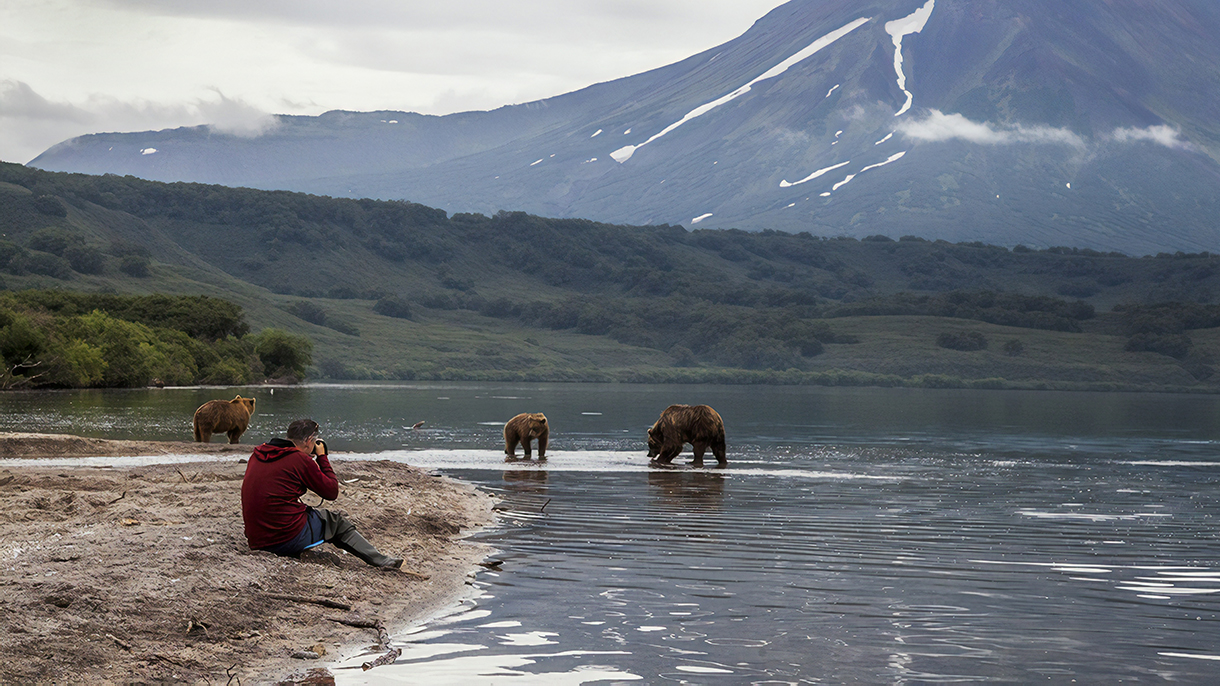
(319, 447)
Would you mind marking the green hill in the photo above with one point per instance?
(394, 290)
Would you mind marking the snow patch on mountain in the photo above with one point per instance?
(846, 180)
(912, 23)
(700, 218)
(833, 89)
(892, 158)
(624, 153)
(816, 174)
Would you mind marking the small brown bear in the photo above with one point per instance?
(698, 425)
(521, 429)
(223, 416)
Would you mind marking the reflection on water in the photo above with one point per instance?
(696, 490)
(525, 480)
(856, 536)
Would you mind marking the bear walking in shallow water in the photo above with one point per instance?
(223, 416)
(698, 425)
(522, 429)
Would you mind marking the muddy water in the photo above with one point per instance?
(857, 536)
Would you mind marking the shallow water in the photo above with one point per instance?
(857, 536)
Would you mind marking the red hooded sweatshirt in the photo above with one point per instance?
(277, 475)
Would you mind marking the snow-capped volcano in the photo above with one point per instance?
(1087, 123)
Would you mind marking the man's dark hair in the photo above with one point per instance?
(302, 429)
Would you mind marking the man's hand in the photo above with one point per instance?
(319, 448)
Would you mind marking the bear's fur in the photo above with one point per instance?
(521, 429)
(698, 425)
(223, 416)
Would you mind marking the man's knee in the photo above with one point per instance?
(333, 524)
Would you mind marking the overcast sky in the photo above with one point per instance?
(70, 67)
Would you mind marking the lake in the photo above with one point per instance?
(856, 536)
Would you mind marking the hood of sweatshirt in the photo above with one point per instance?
(273, 450)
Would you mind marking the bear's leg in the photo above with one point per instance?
(718, 451)
(699, 449)
(667, 456)
(510, 447)
(234, 435)
(525, 445)
(198, 438)
(542, 447)
(203, 436)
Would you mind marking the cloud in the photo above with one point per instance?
(938, 126)
(17, 99)
(536, 16)
(235, 117)
(31, 123)
(1163, 135)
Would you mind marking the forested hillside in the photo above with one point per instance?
(399, 290)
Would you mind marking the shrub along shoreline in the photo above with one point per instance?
(62, 339)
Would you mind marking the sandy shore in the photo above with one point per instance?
(142, 575)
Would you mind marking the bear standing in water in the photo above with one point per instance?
(230, 417)
(698, 425)
(523, 428)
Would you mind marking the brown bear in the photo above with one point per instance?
(521, 429)
(698, 425)
(223, 416)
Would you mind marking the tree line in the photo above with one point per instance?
(58, 339)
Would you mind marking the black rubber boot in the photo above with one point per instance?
(343, 535)
(354, 543)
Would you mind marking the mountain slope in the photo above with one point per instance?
(1091, 123)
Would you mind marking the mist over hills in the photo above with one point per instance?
(1088, 123)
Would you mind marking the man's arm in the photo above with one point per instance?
(320, 478)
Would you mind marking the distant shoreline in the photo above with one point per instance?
(143, 573)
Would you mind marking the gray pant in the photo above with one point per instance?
(337, 530)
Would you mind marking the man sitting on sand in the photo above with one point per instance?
(277, 475)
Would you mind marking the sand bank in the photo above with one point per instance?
(142, 574)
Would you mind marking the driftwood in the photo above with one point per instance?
(387, 659)
(117, 499)
(383, 636)
(383, 640)
(358, 623)
(325, 602)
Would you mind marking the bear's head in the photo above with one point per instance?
(246, 403)
(656, 439)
